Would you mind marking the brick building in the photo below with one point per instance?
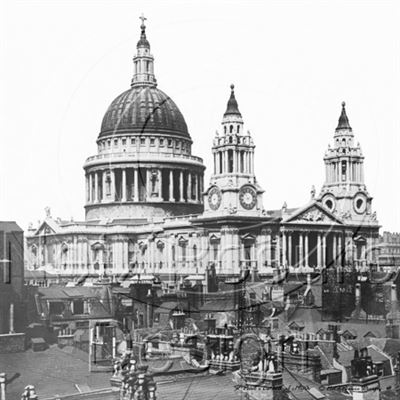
(11, 278)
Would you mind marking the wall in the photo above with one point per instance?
(12, 343)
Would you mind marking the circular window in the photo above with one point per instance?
(329, 202)
(360, 203)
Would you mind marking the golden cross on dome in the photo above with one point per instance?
(143, 18)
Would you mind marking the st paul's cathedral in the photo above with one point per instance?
(149, 214)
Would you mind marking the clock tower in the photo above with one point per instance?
(344, 191)
(233, 187)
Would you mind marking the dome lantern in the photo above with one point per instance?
(143, 61)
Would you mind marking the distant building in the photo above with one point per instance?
(12, 310)
(389, 250)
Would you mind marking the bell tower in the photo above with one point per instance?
(344, 191)
(233, 187)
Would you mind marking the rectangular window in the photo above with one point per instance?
(152, 142)
(115, 142)
(177, 144)
(133, 141)
(169, 143)
(161, 142)
(123, 142)
(142, 141)
(78, 306)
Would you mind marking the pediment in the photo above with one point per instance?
(313, 214)
(45, 229)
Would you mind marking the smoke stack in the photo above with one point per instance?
(394, 299)
(12, 318)
(358, 313)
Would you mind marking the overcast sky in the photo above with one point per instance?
(292, 63)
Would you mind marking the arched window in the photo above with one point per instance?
(238, 129)
(224, 129)
(230, 128)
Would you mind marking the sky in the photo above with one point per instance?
(292, 63)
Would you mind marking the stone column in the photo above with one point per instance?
(112, 184)
(104, 178)
(301, 256)
(189, 187)
(124, 185)
(226, 161)
(136, 184)
(171, 185)
(339, 249)
(96, 187)
(196, 187)
(181, 186)
(268, 249)
(160, 183)
(278, 250)
(90, 188)
(290, 250)
(215, 163)
(148, 184)
(334, 250)
(234, 161)
(324, 250)
(348, 248)
(284, 259)
(87, 188)
(319, 263)
(306, 250)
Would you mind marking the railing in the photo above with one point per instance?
(142, 156)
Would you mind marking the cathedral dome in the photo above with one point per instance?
(144, 110)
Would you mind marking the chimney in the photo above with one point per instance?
(394, 300)
(364, 383)
(12, 318)
(3, 378)
(358, 312)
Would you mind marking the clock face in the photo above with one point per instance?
(247, 197)
(360, 203)
(214, 198)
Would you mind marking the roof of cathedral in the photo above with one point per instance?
(143, 110)
(232, 107)
(343, 120)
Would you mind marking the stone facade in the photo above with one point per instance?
(148, 213)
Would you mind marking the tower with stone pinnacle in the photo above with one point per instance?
(233, 186)
(344, 191)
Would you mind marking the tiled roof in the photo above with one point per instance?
(200, 388)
